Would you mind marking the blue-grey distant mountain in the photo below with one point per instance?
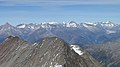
(73, 33)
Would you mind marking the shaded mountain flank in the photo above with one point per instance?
(50, 52)
(108, 53)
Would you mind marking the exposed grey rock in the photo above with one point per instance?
(51, 52)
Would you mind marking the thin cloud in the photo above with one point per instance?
(55, 2)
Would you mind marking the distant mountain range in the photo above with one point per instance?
(50, 52)
(72, 32)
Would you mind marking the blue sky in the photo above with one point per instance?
(36, 11)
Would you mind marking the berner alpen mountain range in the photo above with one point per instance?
(72, 32)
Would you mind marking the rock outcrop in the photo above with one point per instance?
(51, 52)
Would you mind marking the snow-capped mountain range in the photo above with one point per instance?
(72, 32)
(63, 24)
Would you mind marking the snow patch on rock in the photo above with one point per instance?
(76, 48)
(58, 65)
(35, 44)
(110, 31)
(22, 26)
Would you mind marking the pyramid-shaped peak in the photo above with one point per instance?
(7, 24)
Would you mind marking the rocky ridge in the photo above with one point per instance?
(50, 52)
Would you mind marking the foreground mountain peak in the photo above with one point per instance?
(51, 52)
(12, 37)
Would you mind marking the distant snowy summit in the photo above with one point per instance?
(63, 24)
(88, 25)
(107, 26)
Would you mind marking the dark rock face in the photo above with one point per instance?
(51, 52)
(108, 53)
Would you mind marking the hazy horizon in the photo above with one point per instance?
(36, 11)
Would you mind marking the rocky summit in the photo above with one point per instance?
(50, 52)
